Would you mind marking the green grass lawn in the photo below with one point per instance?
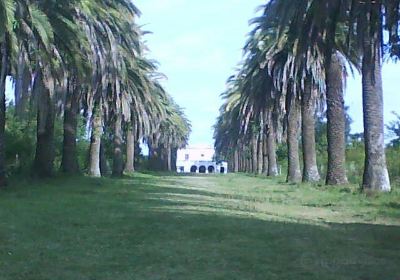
(184, 227)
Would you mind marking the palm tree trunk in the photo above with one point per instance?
(118, 164)
(69, 162)
(236, 161)
(271, 144)
(247, 158)
(104, 170)
(3, 76)
(44, 158)
(169, 158)
(155, 153)
(130, 149)
(164, 157)
(95, 142)
(242, 162)
(254, 156)
(376, 175)
(174, 156)
(336, 126)
(293, 115)
(308, 103)
(265, 154)
(240, 159)
(243, 159)
(19, 79)
(22, 82)
(260, 154)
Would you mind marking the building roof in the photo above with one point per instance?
(199, 147)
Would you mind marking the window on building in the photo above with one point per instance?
(187, 157)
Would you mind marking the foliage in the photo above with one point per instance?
(20, 142)
(288, 59)
(394, 130)
(392, 157)
(67, 58)
(355, 158)
(355, 161)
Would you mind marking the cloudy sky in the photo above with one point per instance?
(198, 44)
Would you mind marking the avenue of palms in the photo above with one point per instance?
(90, 137)
(69, 59)
(295, 66)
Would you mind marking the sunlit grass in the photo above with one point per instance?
(154, 226)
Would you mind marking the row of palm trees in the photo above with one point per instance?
(80, 57)
(296, 62)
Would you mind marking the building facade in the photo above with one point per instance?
(199, 159)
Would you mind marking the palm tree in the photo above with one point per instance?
(308, 108)
(175, 134)
(376, 176)
(293, 125)
(69, 162)
(49, 80)
(169, 131)
(309, 27)
(228, 140)
(6, 21)
(23, 24)
(3, 76)
(303, 45)
(69, 56)
(336, 125)
(95, 140)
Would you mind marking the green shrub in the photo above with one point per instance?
(393, 161)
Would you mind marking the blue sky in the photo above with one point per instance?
(198, 44)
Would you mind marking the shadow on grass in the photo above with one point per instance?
(82, 228)
(394, 205)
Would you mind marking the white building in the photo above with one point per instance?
(199, 159)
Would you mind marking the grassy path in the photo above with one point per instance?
(170, 227)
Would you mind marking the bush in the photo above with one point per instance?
(20, 137)
(392, 157)
(355, 158)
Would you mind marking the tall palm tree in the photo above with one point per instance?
(50, 78)
(336, 124)
(69, 161)
(23, 24)
(69, 56)
(95, 140)
(303, 45)
(6, 26)
(376, 176)
(308, 108)
(292, 122)
(309, 27)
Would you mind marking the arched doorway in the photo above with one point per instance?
(211, 169)
(202, 169)
(222, 170)
(193, 169)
